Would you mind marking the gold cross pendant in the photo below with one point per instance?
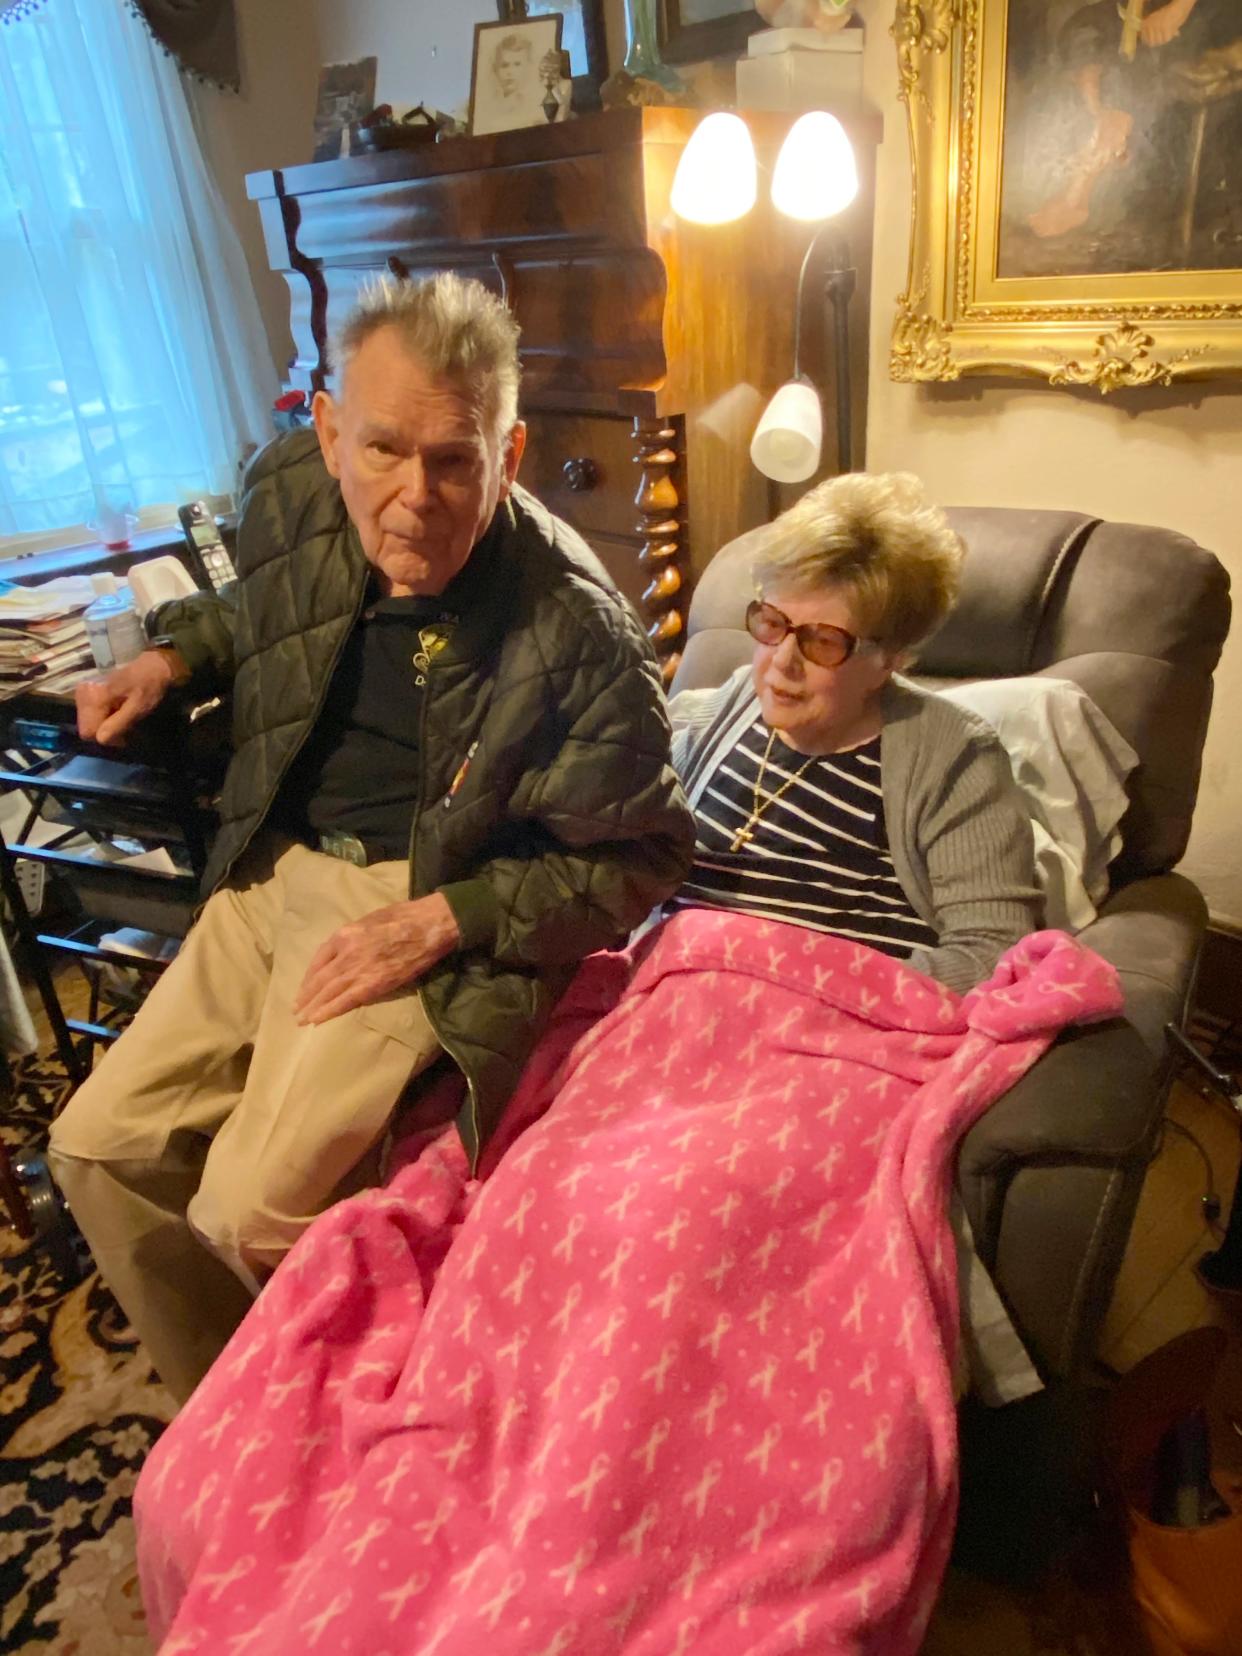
(744, 835)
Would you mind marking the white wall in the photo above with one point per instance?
(1171, 457)
(424, 47)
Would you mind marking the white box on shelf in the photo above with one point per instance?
(825, 75)
(766, 41)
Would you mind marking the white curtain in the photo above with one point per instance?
(134, 369)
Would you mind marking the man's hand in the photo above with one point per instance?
(386, 950)
(111, 706)
(1164, 25)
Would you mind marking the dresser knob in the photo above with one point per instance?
(580, 474)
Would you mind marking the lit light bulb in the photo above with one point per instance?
(716, 176)
(815, 174)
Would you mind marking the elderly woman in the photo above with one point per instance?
(830, 792)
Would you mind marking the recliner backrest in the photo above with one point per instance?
(1134, 614)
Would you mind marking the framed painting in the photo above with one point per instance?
(1077, 190)
(582, 36)
(346, 94)
(694, 29)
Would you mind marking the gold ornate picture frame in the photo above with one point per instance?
(1077, 210)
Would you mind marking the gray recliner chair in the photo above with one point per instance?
(1137, 616)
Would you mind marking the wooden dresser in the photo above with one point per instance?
(649, 346)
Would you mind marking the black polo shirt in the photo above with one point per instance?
(358, 772)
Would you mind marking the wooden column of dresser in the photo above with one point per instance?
(649, 346)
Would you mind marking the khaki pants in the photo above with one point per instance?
(211, 1135)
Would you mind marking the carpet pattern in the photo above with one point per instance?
(79, 1410)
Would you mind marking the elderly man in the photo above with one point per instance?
(450, 782)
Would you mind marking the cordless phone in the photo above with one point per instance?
(213, 568)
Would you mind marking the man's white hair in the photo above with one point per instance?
(874, 538)
(453, 326)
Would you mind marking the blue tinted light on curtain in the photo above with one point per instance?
(133, 364)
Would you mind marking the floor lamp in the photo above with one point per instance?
(815, 179)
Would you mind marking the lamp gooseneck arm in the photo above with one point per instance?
(811, 248)
(839, 282)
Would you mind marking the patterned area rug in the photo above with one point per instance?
(79, 1409)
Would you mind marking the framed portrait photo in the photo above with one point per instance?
(1077, 191)
(582, 36)
(517, 78)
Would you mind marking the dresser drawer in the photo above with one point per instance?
(582, 468)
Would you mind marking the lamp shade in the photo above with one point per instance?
(815, 174)
(716, 178)
(787, 439)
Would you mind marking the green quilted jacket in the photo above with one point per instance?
(568, 824)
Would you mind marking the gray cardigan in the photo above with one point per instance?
(958, 829)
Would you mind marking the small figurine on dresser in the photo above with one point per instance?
(558, 89)
(825, 15)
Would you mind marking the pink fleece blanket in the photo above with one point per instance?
(671, 1376)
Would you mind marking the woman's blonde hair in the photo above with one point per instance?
(876, 539)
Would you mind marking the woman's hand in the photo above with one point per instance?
(386, 950)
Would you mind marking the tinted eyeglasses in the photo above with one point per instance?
(821, 643)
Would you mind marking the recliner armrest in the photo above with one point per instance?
(1152, 931)
(1096, 1095)
(1050, 1177)
(1089, 1097)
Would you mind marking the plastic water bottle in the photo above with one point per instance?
(112, 624)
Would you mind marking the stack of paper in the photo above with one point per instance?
(43, 638)
(148, 944)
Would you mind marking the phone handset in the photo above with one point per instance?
(213, 568)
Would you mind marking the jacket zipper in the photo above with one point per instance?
(426, 637)
(323, 696)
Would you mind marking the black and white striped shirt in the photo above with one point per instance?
(819, 855)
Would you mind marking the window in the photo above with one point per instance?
(133, 365)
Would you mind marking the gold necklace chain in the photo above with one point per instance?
(761, 801)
